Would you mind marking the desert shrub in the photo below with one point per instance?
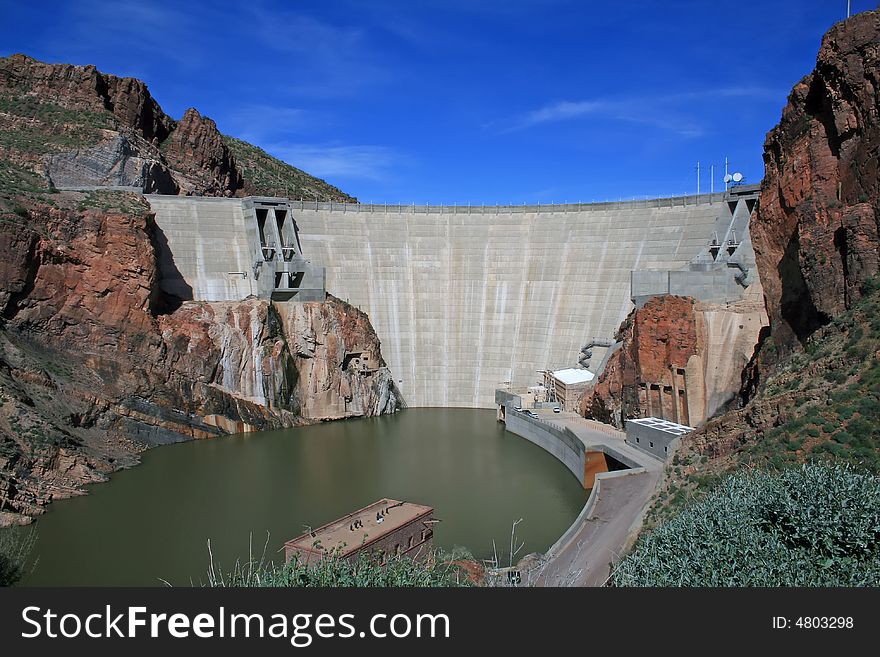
(433, 571)
(15, 547)
(845, 412)
(869, 407)
(843, 437)
(856, 333)
(858, 350)
(813, 525)
(835, 376)
(832, 448)
(795, 443)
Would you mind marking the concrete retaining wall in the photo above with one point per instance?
(209, 253)
(211, 249)
(507, 399)
(716, 285)
(561, 443)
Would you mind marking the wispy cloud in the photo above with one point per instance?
(366, 162)
(263, 122)
(671, 112)
(308, 56)
(560, 111)
(325, 59)
(155, 30)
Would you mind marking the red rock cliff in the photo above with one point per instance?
(128, 99)
(679, 359)
(639, 379)
(816, 232)
(95, 365)
(197, 146)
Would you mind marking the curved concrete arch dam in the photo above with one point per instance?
(463, 299)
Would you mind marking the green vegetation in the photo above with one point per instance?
(40, 126)
(16, 180)
(269, 175)
(811, 525)
(433, 571)
(15, 548)
(114, 201)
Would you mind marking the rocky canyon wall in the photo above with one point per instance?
(680, 360)
(816, 241)
(78, 127)
(816, 231)
(96, 365)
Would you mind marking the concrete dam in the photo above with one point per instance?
(464, 299)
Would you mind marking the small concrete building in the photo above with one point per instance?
(567, 386)
(384, 528)
(654, 435)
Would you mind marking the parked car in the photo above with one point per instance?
(518, 409)
(556, 409)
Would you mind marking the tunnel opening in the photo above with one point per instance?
(288, 280)
(286, 233)
(262, 214)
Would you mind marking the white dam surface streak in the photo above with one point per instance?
(466, 302)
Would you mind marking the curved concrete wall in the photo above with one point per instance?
(467, 299)
(561, 443)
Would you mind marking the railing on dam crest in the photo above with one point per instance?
(412, 208)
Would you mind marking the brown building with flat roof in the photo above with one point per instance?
(386, 528)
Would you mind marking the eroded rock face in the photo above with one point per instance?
(117, 161)
(96, 365)
(131, 142)
(340, 368)
(86, 87)
(816, 232)
(679, 359)
(196, 149)
(658, 340)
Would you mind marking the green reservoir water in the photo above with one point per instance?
(154, 520)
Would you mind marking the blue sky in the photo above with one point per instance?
(461, 101)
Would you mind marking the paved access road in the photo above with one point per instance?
(615, 512)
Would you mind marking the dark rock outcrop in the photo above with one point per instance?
(197, 149)
(679, 359)
(78, 127)
(816, 231)
(115, 162)
(84, 87)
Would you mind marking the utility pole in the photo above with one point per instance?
(698, 178)
(847, 7)
(711, 178)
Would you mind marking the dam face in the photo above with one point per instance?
(464, 299)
